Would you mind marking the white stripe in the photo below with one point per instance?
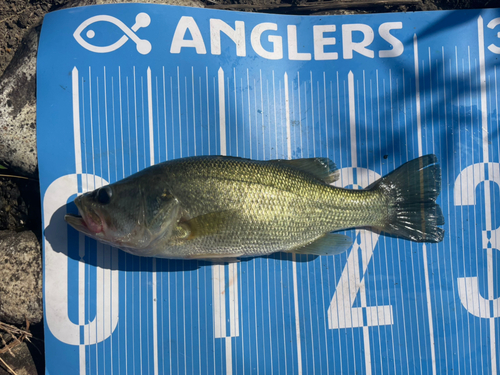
(82, 360)
(269, 120)
(187, 136)
(106, 122)
(106, 286)
(81, 237)
(429, 309)
(81, 299)
(164, 115)
(294, 263)
(219, 285)
(366, 342)
(208, 111)
(275, 120)
(219, 303)
(99, 334)
(447, 181)
(352, 119)
(229, 356)
(126, 330)
(233, 300)
(482, 70)
(169, 299)
(76, 121)
(367, 238)
(417, 95)
(457, 80)
(313, 339)
(99, 124)
(419, 346)
(424, 247)
(300, 116)
(358, 278)
(235, 110)
(297, 318)
(229, 117)
(194, 109)
(172, 112)
(222, 112)
(306, 111)
(249, 114)
(493, 345)
(121, 119)
(135, 119)
(243, 114)
(155, 318)
(262, 117)
(115, 306)
(128, 123)
(158, 120)
(487, 193)
(287, 116)
(439, 287)
(202, 125)
(184, 314)
(326, 113)
(91, 123)
(179, 111)
(150, 118)
(312, 114)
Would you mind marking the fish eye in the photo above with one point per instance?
(104, 195)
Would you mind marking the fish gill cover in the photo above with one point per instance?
(123, 87)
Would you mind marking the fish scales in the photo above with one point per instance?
(223, 207)
(277, 207)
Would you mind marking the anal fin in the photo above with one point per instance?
(329, 244)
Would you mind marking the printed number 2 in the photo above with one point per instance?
(341, 313)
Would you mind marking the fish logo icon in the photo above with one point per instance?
(141, 20)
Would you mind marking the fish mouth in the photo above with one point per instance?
(89, 222)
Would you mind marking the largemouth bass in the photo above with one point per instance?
(217, 207)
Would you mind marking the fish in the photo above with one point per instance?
(221, 208)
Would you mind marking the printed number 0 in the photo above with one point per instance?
(57, 274)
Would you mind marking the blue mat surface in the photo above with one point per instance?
(122, 87)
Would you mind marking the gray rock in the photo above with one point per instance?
(20, 361)
(18, 108)
(13, 210)
(18, 97)
(21, 278)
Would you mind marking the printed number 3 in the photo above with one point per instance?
(492, 24)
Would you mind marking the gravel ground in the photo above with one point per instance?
(20, 198)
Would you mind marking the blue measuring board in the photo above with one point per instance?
(122, 87)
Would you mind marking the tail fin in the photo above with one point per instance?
(412, 190)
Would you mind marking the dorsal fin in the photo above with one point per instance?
(322, 168)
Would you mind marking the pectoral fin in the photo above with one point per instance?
(329, 244)
(212, 223)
